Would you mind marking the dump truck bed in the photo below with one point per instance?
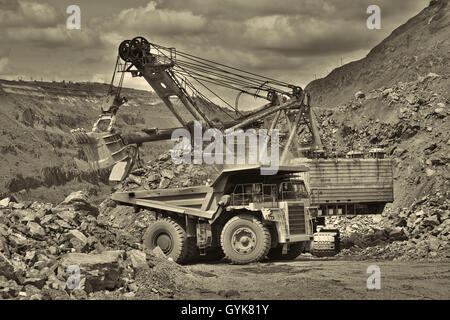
(197, 201)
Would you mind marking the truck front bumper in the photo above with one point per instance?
(298, 238)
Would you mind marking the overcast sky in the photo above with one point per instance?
(291, 40)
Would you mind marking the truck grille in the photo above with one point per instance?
(297, 223)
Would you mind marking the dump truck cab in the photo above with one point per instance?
(282, 201)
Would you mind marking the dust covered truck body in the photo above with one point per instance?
(246, 215)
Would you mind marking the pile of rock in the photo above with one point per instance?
(126, 226)
(408, 108)
(421, 231)
(67, 251)
(165, 173)
(364, 231)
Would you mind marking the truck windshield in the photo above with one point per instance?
(293, 190)
(244, 194)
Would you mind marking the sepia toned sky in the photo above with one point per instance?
(291, 40)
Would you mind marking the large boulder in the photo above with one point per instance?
(35, 230)
(68, 216)
(397, 234)
(6, 267)
(167, 174)
(77, 196)
(77, 239)
(4, 202)
(431, 221)
(137, 259)
(164, 183)
(79, 201)
(359, 95)
(8, 288)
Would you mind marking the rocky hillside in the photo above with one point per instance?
(37, 152)
(413, 50)
(410, 121)
(397, 98)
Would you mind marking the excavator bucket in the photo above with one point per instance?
(103, 150)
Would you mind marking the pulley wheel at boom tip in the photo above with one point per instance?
(124, 50)
(138, 47)
(141, 41)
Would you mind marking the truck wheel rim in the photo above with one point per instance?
(243, 240)
(164, 241)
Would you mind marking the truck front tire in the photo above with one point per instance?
(170, 236)
(245, 239)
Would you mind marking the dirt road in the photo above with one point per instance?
(314, 278)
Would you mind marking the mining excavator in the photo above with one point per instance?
(244, 214)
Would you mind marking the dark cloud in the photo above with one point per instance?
(297, 36)
(326, 9)
(158, 22)
(15, 13)
(10, 5)
(31, 24)
(241, 10)
(291, 40)
(53, 37)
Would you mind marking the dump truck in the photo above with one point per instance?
(249, 216)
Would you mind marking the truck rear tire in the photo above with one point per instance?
(295, 249)
(170, 236)
(245, 239)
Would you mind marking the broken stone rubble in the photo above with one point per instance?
(421, 231)
(164, 173)
(38, 242)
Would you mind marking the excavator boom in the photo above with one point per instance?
(170, 73)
